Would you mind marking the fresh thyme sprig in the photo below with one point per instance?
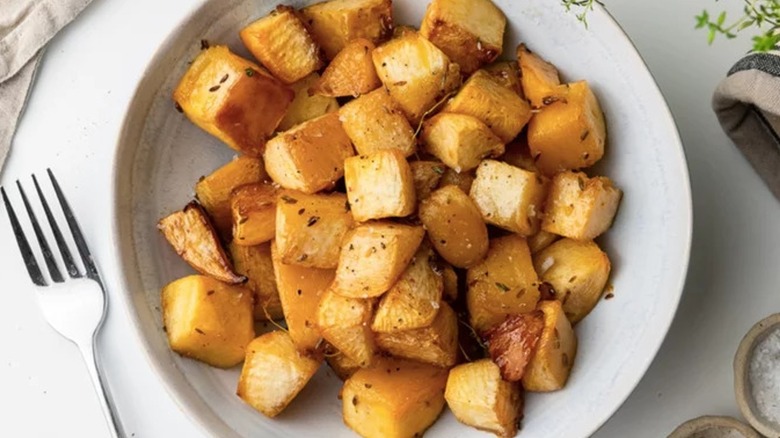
(583, 6)
(760, 16)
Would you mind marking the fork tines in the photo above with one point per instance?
(51, 263)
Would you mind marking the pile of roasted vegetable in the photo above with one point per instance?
(413, 209)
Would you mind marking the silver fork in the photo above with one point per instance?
(74, 307)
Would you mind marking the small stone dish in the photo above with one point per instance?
(757, 376)
(714, 427)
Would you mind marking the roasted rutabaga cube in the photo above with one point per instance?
(426, 176)
(450, 283)
(300, 290)
(341, 364)
(351, 73)
(415, 299)
(309, 157)
(539, 78)
(379, 185)
(551, 364)
(216, 190)
(193, 238)
(376, 122)
(569, 133)
(373, 256)
(334, 23)
(513, 342)
(274, 373)
(416, 73)
(253, 208)
(495, 105)
(307, 106)
(255, 263)
(478, 397)
(346, 324)
(393, 399)
(208, 320)
(580, 207)
(507, 74)
(455, 227)
(282, 44)
(460, 141)
(470, 32)
(577, 271)
(310, 228)
(503, 284)
(436, 344)
(509, 197)
(232, 99)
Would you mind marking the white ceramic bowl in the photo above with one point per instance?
(161, 155)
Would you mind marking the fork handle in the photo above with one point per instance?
(88, 353)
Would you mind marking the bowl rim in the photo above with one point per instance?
(705, 422)
(159, 366)
(742, 389)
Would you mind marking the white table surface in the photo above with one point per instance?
(72, 124)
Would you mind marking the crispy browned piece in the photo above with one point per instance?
(512, 343)
(193, 237)
(233, 99)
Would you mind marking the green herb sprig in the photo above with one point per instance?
(759, 16)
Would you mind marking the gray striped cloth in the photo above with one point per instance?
(25, 28)
(747, 104)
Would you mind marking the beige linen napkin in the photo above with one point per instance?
(25, 28)
(747, 104)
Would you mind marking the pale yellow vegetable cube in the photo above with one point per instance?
(215, 191)
(551, 364)
(307, 106)
(351, 73)
(436, 344)
(509, 197)
(455, 226)
(232, 99)
(497, 106)
(393, 399)
(379, 185)
(577, 271)
(569, 133)
(415, 299)
(208, 320)
(479, 398)
(255, 263)
(300, 290)
(274, 373)
(309, 157)
(539, 78)
(253, 207)
(579, 207)
(310, 228)
(334, 23)
(503, 284)
(282, 44)
(346, 324)
(416, 72)
(460, 141)
(373, 256)
(470, 32)
(375, 122)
